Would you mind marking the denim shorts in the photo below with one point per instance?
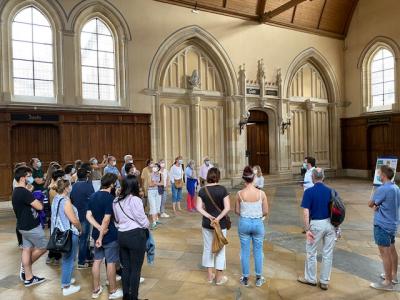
(108, 251)
(382, 237)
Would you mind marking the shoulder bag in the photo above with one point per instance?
(60, 241)
(227, 218)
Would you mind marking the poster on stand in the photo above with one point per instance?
(380, 161)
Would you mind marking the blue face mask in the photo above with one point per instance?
(29, 180)
(39, 164)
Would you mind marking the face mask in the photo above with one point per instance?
(29, 180)
(304, 166)
(113, 163)
(192, 166)
(95, 162)
(39, 164)
(130, 161)
(162, 165)
(180, 161)
(207, 162)
(255, 172)
(73, 171)
(155, 169)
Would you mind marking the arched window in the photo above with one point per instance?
(98, 61)
(382, 78)
(32, 54)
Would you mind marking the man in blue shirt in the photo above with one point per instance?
(81, 191)
(105, 234)
(112, 168)
(318, 227)
(386, 203)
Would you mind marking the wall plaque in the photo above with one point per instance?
(271, 93)
(253, 91)
(34, 117)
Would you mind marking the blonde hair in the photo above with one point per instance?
(60, 185)
(258, 168)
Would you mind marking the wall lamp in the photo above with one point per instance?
(285, 125)
(244, 121)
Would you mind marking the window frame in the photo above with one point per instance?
(118, 68)
(7, 50)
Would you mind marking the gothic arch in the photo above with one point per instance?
(201, 38)
(316, 59)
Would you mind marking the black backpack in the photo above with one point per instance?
(337, 209)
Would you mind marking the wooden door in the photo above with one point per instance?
(30, 140)
(258, 140)
(379, 143)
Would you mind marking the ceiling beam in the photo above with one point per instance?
(277, 11)
(349, 17)
(225, 3)
(261, 7)
(322, 12)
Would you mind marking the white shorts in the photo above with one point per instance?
(211, 260)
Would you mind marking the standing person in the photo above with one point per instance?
(130, 169)
(251, 206)
(309, 163)
(132, 225)
(112, 168)
(64, 216)
(145, 176)
(34, 241)
(386, 204)
(80, 194)
(204, 170)
(96, 168)
(127, 159)
(176, 177)
(53, 257)
(70, 173)
(37, 174)
(53, 166)
(258, 178)
(319, 230)
(165, 181)
(99, 214)
(155, 181)
(191, 185)
(210, 196)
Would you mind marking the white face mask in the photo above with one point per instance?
(130, 161)
(113, 163)
(180, 161)
(255, 172)
(207, 162)
(155, 169)
(162, 165)
(73, 171)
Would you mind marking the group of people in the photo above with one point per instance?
(109, 204)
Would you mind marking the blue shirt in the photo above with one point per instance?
(101, 204)
(113, 170)
(316, 199)
(387, 198)
(81, 191)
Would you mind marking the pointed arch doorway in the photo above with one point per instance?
(258, 140)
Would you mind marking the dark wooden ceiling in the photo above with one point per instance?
(325, 17)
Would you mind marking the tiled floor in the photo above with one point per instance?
(177, 273)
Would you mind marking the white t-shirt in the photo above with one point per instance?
(204, 170)
(259, 182)
(175, 173)
(308, 183)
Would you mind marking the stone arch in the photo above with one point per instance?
(314, 111)
(317, 60)
(201, 38)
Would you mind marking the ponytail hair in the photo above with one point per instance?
(61, 185)
(248, 174)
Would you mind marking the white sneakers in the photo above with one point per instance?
(117, 278)
(164, 215)
(116, 295)
(72, 289)
(141, 280)
(96, 294)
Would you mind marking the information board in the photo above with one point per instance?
(390, 162)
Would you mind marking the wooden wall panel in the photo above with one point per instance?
(74, 136)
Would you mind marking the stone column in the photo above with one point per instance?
(310, 126)
(195, 127)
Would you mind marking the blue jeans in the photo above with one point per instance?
(251, 230)
(68, 263)
(176, 194)
(84, 243)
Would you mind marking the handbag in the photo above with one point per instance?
(219, 240)
(60, 241)
(178, 183)
(227, 218)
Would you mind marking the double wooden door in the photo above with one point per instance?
(258, 140)
(379, 143)
(30, 140)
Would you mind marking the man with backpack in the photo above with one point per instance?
(319, 229)
(386, 204)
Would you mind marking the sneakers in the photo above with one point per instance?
(22, 273)
(97, 293)
(394, 280)
(223, 280)
(164, 215)
(304, 281)
(83, 266)
(116, 295)
(153, 226)
(323, 286)
(73, 280)
(35, 280)
(117, 278)
(260, 281)
(381, 286)
(141, 280)
(72, 289)
(244, 281)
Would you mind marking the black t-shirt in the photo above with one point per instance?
(218, 193)
(27, 216)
